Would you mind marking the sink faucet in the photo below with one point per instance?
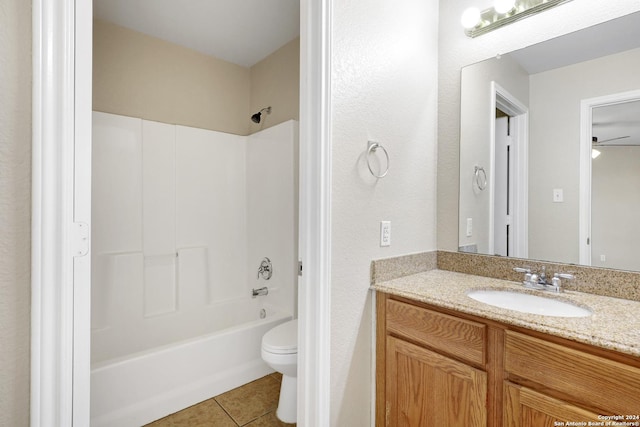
(539, 281)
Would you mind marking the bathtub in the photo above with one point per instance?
(140, 388)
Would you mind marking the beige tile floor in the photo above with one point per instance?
(251, 405)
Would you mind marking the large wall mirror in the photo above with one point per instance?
(550, 150)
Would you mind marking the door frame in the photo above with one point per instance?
(61, 213)
(519, 113)
(586, 134)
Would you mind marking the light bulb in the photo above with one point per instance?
(470, 17)
(594, 153)
(503, 6)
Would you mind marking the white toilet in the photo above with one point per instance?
(280, 351)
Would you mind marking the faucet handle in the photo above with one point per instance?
(556, 283)
(527, 273)
(265, 269)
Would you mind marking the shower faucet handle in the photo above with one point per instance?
(266, 269)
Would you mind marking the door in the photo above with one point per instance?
(524, 407)
(424, 389)
(503, 190)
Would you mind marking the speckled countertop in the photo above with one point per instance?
(614, 324)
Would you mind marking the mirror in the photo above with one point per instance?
(530, 122)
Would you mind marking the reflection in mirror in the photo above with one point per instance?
(521, 122)
(615, 184)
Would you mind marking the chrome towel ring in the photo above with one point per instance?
(480, 177)
(373, 147)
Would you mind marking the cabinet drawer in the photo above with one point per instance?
(458, 337)
(593, 380)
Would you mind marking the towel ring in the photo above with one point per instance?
(373, 146)
(480, 177)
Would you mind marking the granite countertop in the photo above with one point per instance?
(614, 324)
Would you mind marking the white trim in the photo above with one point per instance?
(586, 108)
(61, 184)
(492, 160)
(52, 214)
(82, 211)
(314, 293)
(501, 98)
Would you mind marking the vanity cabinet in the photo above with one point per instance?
(549, 382)
(434, 368)
(524, 407)
(438, 367)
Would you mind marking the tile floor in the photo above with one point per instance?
(250, 405)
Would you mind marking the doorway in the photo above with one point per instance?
(509, 184)
(61, 271)
(609, 149)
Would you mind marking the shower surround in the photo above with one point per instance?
(181, 219)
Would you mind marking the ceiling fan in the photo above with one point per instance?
(596, 143)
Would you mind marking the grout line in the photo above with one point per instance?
(215, 398)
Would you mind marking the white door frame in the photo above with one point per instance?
(61, 164)
(586, 134)
(61, 212)
(501, 98)
(314, 286)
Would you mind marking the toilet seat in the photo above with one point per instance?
(283, 339)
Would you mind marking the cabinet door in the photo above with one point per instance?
(424, 388)
(524, 407)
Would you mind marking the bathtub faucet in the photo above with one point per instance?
(259, 292)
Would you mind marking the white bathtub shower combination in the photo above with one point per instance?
(181, 220)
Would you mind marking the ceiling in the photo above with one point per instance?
(613, 125)
(617, 124)
(239, 31)
(604, 39)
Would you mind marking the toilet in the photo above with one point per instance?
(280, 351)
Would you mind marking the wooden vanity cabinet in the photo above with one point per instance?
(526, 407)
(548, 383)
(436, 367)
(430, 367)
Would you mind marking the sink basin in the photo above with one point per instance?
(527, 303)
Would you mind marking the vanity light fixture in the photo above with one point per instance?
(504, 6)
(470, 18)
(503, 13)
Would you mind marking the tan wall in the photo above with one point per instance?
(142, 76)
(275, 82)
(15, 208)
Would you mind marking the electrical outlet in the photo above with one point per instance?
(469, 227)
(385, 233)
(558, 196)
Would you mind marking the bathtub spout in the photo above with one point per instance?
(259, 291)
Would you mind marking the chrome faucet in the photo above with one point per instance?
(259, 292)
(266, 269)
(539, 281)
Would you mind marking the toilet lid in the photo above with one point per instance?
(283, 339)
